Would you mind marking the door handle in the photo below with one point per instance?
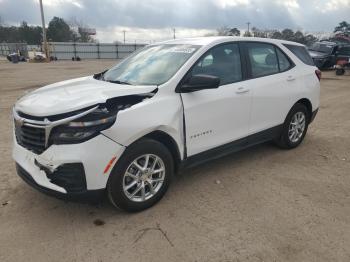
(242, 90)
(290, 78)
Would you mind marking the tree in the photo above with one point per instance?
(288, 34)
(299, 37)
(234, 32)
(59, 30)
(276, 35)
(30, 34)
(226, 31)
(343, 27)
(81, 35)
(310, 39)
(259, 33)
(247, 34)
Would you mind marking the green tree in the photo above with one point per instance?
(310, 39)
(299, 37)
(288, 34)
(234, 32)
(277, 35)
(59, 30)
(226, 31)
(343, 27)
(77, 27)
(247, 34)
(259, 33)
(30, 34)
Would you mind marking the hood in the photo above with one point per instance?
(315, 54)
(75, 94)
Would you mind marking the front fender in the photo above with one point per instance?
(160, 113)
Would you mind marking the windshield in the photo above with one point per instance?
(324, 48)
(152, 65)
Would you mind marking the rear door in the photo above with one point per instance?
(273, 85)
(217, 116)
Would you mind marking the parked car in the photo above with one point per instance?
(325, 53)
(342, 59)
(16, 57)
(127, 130)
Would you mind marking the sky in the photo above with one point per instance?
(153, 20)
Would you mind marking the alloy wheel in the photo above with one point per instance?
(297, 127)
(143, 178)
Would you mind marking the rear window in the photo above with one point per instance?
(263, 59)
(301, 53)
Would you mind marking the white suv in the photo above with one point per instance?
(127, 130)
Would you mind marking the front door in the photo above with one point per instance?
(217, 116)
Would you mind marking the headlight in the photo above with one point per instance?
(84, 128)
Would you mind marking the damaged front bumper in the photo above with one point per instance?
(69, 170)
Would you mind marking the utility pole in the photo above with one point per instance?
(46, 51)
(248, 27)
(174, 33)
(124, 35)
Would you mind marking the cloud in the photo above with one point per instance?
(231, 3)
(334, 5)
(148, 35)
(157, 16)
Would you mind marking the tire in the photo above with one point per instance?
(340, 71)
(286, 139)
(128, 173)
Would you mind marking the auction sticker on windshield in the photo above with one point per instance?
(185, 50)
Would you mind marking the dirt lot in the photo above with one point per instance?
(262, 204)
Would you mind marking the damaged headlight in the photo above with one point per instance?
(84, 128)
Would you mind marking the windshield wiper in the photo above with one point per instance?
(118, 82)
(99, 76)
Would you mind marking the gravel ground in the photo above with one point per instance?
(262, 204)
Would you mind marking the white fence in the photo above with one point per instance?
(8, 48)
(67, 50)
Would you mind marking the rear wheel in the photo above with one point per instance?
(141, 177)
(294, 127)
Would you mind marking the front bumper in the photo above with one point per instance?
(90, 195)
(42, 171)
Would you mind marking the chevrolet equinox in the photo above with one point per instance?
(127, 130)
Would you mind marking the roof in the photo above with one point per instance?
(222, 39)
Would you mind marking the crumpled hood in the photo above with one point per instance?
(315, 54)
(75, 94)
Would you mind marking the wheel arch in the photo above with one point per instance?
(169, 142)
(307, 103)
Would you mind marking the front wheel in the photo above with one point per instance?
(294, 127)
(141, 176)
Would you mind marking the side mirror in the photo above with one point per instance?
(200, 82)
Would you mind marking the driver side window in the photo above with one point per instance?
(223, 62)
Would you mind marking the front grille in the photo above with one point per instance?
(31, 138)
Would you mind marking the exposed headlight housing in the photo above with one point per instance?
(84, 128)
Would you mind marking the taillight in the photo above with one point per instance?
(318, 74)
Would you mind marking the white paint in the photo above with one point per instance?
(213, 117)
